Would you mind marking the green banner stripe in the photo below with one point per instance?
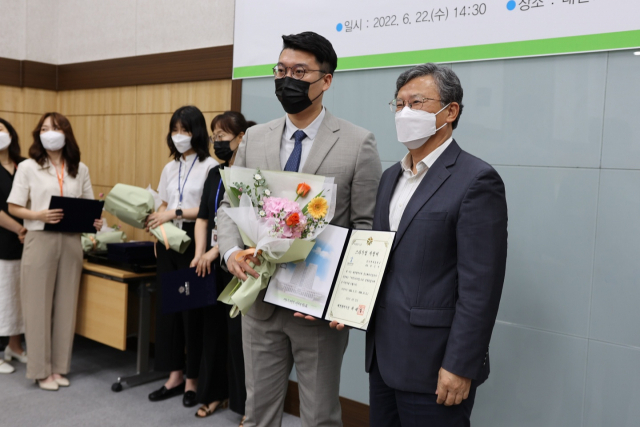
(560, 45)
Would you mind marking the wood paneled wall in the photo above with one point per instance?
(121, 131)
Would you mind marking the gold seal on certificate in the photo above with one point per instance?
(340, 278)
(359, 278)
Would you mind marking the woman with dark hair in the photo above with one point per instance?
(12, 235)
(222, 354)
(180, 189)
(51, 261)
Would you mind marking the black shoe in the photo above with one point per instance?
(163, 393)
(189, 399)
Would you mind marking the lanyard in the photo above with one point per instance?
(60, 176)
(181, 192)
(217, 196)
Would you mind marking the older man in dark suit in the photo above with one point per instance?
(428, 346)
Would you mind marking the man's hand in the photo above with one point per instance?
(452, 389)
(241, 268)
(333, 325)
(337, 326)
(303, 316)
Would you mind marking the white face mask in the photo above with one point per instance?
(52, 140)
(182, 142)
(5, 140)
(414, 127)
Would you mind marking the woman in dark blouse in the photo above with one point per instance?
(222, 367)
(12, 235)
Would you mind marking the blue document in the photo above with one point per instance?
(183, 290)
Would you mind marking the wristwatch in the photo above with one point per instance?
(178, 213)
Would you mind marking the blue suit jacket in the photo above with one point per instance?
(439, 298)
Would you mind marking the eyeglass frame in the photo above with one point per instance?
(395, 109)
(292, 75)
(212, 138)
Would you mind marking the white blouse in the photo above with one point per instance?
(191, 183)
(34, 185)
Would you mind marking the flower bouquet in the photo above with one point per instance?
(92, 242)
(279, 215)
(132, 205)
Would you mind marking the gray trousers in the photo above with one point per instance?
(49, 283)
(271, 347)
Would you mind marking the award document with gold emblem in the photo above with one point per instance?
(340, 278)
(359, 278)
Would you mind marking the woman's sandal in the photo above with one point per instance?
(208, 411)
(244, 418)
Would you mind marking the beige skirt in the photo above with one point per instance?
(11, 322)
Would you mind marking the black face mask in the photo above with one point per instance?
(223, 150)
(294, 94)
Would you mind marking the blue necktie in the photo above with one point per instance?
(294, 159)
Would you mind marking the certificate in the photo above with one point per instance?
(306, 286)
(340, 278)
(359, 278)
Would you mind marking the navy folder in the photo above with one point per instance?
(132, 252)
(183, 290)
(79, 214)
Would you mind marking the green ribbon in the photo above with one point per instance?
(241, 295)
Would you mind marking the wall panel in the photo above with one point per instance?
(153, 99)
(13, 22)
(94, 30)
(120, 100)
(214, 95)
(11, 99)
(151, 148)
(39, 101)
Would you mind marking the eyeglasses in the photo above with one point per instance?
(297, 71)
(214, 138)
(398, 104)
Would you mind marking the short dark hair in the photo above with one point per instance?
(231, 122)
(14, 146)
(448, 83)
(192, 120)
(315, 44)
(70, 151)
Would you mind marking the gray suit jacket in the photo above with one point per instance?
(340, 149)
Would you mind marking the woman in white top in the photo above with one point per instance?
(180, 189)
(51, 261)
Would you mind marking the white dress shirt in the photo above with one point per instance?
(288, 141)
(34, 185)
(192, 193)
(286, 148)
(409, 182)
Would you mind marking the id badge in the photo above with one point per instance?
(214, 237)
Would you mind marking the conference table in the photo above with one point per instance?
(103, 309)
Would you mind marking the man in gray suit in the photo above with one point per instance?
(311, 140)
